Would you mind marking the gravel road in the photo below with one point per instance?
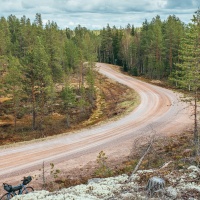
(160, 110)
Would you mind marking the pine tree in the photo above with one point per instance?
(38, 79)
(54, 42)
(90, 78)
(4, 37)
(4, 62)
(15, 35)
(144, 44)
(155, 63)
(69, 100)
(173, 33)
(13, 83)
(106, 49)
(128, 51)
(38, 20)
(117, 40)
(27, 36)
(190, 66)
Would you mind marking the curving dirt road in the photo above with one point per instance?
(160, 110)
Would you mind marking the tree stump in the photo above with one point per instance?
(155, 185)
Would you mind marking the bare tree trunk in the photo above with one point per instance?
(196, 136)
(43, 176)
(67, 119)
(170, 55)
(15, 113)
(141, 159)
(33, 107)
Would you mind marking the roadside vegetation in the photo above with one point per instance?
(168, 157)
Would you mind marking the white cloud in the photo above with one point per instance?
(98, 13)
(10, 6)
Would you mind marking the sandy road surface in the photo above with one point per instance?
(160, 110)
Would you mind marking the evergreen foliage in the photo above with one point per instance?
(189, 67)
(151, 50)
(35, 57)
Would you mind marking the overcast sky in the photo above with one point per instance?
(95, 14)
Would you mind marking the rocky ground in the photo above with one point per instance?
(180, 184)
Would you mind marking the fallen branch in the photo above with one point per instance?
(166, 165)
(141, 159)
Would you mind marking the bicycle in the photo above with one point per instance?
(22, 189)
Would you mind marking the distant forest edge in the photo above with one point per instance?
(37, 60)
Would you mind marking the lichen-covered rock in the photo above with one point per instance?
(193, 168)
(134, 177)
(171, 192)
(94, 180)
(191, 186)
(194, 172)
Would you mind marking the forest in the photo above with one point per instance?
(44, 68)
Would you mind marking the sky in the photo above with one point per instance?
(96, 14)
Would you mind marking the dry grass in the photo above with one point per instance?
(176, 150)
(3, 99)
